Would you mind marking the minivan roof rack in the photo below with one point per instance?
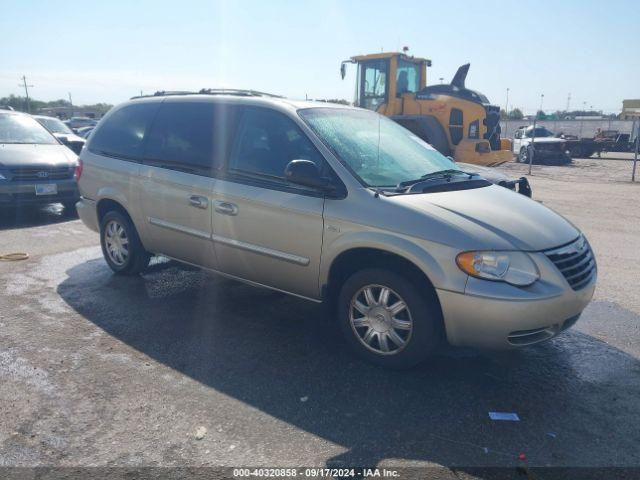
(236, 91)
(211, 91)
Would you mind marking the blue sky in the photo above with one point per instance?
(111, 50)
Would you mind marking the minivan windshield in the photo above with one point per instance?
(380, 152)
(17, 128)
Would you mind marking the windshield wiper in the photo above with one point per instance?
(448, 173)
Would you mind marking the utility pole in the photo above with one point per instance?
(584, 110)
(533, 134)
(568, 102)
(70, 106)
(26, 92)
(635, 150)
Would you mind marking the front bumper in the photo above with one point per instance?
(24, 192)
(500, 316)
(550, 157)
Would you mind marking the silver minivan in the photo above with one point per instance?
(333, 204)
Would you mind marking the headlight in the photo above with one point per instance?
(515, 268)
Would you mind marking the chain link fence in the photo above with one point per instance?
(580, 128)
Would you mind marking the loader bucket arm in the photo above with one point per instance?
(461, 76)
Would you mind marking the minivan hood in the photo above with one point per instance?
(23, 155)
(494, 217)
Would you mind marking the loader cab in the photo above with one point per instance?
(384, 78)
(457, 121)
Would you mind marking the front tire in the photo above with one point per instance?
(523, 156)
(121, 246)
(387, 320)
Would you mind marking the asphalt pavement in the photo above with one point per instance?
(102, 370)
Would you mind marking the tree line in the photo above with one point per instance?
(20, 104)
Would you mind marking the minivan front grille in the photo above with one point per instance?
(575, 261)
(42, 173)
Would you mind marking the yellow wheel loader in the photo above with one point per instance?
(457, 121)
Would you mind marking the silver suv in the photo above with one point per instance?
(333, 204)
(35, 167)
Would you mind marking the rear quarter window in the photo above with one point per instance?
(183, 137)
(123, 132)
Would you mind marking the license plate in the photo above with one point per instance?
(47, 189)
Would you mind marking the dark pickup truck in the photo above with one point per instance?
(602, 142)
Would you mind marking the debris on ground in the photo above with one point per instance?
(507, 416)
(200, 433)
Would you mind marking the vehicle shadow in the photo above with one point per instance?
(26, 216)
(576, 396)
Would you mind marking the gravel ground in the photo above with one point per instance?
(97, 370)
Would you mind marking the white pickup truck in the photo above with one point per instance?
(547, 149)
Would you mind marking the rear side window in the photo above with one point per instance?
(122, 133)
(183, 137)
(267, 141)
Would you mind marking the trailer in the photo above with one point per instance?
(602, 142)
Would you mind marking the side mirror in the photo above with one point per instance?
(307, 174)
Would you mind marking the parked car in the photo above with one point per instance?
(604, 141)
(338, 205)
(62, 132)
(84, 132)
(74, 123)
(547, 149)
(35, 167)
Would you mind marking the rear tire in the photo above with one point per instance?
(376, 325)
(121, 245)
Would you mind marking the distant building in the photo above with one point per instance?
(68, 112)
(630, 109)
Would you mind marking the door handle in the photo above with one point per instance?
(226, 208)
(198, 201)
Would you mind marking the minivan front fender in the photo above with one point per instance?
(436, 261)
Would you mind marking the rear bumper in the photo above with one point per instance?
(88, 213)
(24, 193)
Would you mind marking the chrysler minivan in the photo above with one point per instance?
(333, 204)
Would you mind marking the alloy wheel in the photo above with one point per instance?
(116, 243)
(380, 319)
